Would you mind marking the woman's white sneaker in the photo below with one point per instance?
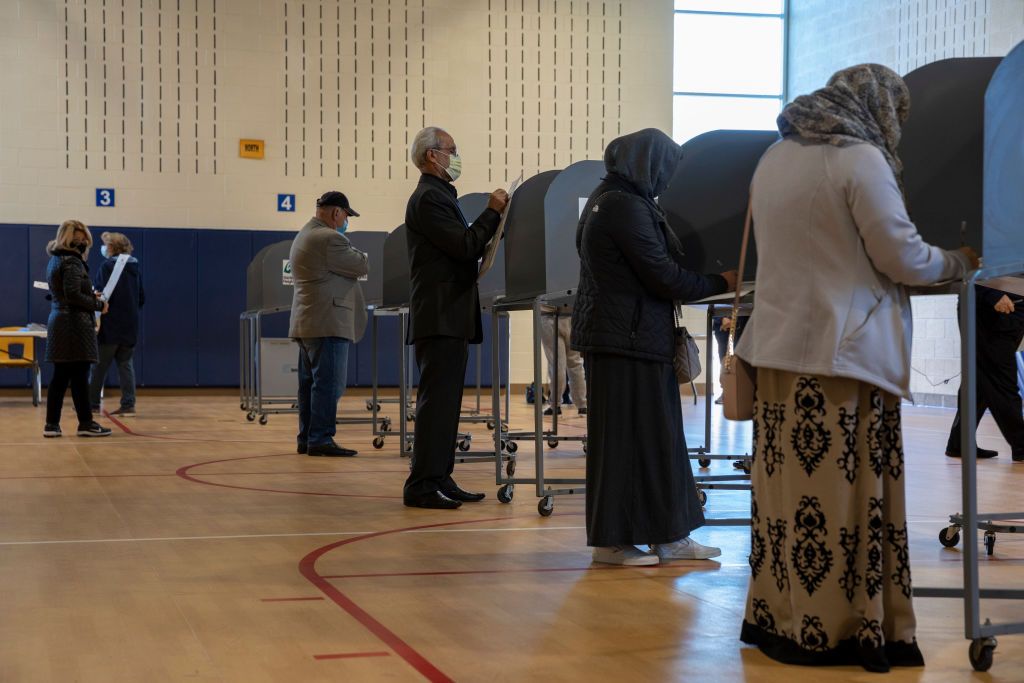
(624, 554)
(685, 549)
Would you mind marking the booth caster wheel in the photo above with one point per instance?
(385, 425)
(241, 406)
(250, 417)
(704, 462)
(378, 443)
(369, 406)
(263, 419)
(510, 446)
(702, 496)
(464, 445)
(981, 652)
(990, 547)
(505, 493)
(552, 443)
(490, 425)
(510, 468)
(546, 506)
(584, 446)
(949, 536)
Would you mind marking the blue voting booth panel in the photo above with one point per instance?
(221, 260)
(14, 301)
(169, 316)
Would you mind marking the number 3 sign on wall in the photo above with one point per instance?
(104, 196)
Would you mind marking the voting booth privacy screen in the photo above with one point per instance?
(942, 149)
(706, 200)
(1004, 163)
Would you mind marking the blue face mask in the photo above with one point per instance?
(103, 251)
(343, 227)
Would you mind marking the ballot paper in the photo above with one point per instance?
(492, 247)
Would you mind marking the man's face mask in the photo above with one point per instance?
(343, 227)
(454, 168)
(103, 252)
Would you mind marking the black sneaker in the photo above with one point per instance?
(124, 411)
(331, 450)
(549, 411)
(93, 429)
(582, 411)
(51, 431)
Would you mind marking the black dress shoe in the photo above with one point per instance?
(301, 448)
(982, 453)
(331, 450)
(465, 496)
(434, 500)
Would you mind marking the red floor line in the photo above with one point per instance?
(307, 567)
(183, 472)
(352, 655)
(290, 599)
(208, 474)
(529, 570)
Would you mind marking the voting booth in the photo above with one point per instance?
(395, 269)
(1003, 193)
(269, 278)
(706, 200)
(268, 372)
(943, 148)
(540, 231)
(372, 244)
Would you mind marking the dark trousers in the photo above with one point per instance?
(323, 374)
(110, 353)
(997, 388)
(442, 365)
(77, 376)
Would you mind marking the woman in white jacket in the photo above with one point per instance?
(830, 338)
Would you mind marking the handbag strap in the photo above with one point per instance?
(739, 283)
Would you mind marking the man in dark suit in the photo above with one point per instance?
(1000, 329)
(444, 250)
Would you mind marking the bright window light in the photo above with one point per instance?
(693, 115)
(729, 65)
(738, 55)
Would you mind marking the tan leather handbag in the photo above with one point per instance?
(738, 378)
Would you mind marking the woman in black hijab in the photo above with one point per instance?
(640, 488)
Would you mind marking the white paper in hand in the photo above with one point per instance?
(492, 247)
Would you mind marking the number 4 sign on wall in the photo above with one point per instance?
(286, 202)
(104, 196)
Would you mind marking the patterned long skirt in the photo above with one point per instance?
(829, 560)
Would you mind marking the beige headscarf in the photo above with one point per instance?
(863, 103)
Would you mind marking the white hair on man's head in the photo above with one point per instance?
(426, 139)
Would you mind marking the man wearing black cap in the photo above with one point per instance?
(328, 314)
(444, 249)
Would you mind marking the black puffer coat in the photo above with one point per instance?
(71, 328)
(628, 277)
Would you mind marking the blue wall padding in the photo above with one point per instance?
(195, 290)
(14, 294)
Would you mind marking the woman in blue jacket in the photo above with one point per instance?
(119, 329)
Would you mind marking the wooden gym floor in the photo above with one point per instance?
(195, 546)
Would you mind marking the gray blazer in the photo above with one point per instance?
(835, 251)
(328, 300)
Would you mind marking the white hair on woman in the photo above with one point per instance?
(426, 139)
